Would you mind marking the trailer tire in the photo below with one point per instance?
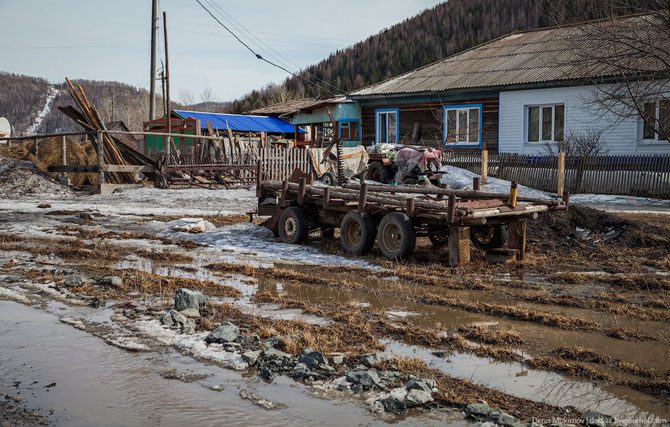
(489, 236)
(357, 233)
(378, 172)
(396, 236)
(329, 179)
(293, 226)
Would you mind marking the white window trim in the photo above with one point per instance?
(553, 123)
(467, 109)
(641, 140)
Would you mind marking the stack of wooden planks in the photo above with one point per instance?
(115, 152)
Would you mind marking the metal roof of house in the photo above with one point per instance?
(239, 122)
(574, 52)
(297, 105)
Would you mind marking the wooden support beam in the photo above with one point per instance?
(362, 198)
(302, 190)
(410, 206)
(326, 197)
(451, 208)
(128, 168)
(516, 235)
(459, 246)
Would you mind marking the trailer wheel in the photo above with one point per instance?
(293, 226)
(329, 179)
(396, 236)
(378, 172)
(489, 236)
(357, 233)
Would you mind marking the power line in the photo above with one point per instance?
(73, 46)
(257, 55)
(271, 48)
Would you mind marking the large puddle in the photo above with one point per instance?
(101, 385)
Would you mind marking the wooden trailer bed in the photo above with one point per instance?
(396, 216)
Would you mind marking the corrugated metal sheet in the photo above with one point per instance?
(238, 122)
(552, 54)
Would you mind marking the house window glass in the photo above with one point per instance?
(650, 116)
(533, 124)
(387, 125)
(462, 125)
(348, 130)
(546, 123)
(451, 126)
(664, 116)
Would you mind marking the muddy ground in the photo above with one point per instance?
(581, 325)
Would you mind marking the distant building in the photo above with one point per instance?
(323, 120)
(517, 94)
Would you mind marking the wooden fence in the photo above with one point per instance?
(633, 175)
(239, 166)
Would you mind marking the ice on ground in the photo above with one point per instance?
(191, 225)
(19, 178)
(250, 244)
(146, 201)
(11, 295)
(191, 344)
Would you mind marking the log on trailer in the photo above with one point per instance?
(397, 215)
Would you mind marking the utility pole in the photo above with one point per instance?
(162, 74)
(167, 85)
(152, 72)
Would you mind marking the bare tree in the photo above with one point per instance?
(207, 95)
(584, 144)
(186, 97)
(631, 57)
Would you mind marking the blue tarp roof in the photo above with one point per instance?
(239, 122)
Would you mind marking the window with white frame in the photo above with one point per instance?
(545, 123)
(386, 127)
(657, 117)
(462, 125)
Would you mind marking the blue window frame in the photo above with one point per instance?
(462, 125)
(349, 129)
(387, 125)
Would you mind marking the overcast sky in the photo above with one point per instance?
(109, 39)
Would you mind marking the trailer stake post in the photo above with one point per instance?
(362, 198)
(451, 209)
(410, 206)
(326, 197)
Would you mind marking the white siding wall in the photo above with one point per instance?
(621, 137)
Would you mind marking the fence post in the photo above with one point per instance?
(485, 166)
(560, 177)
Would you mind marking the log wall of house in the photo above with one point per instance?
(430, 118)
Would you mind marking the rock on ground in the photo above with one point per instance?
(186, 298)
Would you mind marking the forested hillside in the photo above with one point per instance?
(21, 98)
(434, 34)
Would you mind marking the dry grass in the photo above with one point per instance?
(489, 336)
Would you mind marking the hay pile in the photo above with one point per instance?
(78, 152)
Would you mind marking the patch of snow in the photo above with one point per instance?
(461, 179)
(191, 344)
(191, 225)
(11, 295)
(250, 244)
(51, 95)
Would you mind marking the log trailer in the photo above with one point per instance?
(395, 216)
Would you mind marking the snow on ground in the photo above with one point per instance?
(51, 95)
(246, 243)
(146, 201)
(461, 179)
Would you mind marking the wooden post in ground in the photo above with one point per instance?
(560, 174)
(100, 151)
(259, 177)
(459, 246)
(63, 147)
(516, 235)
(485, 166)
